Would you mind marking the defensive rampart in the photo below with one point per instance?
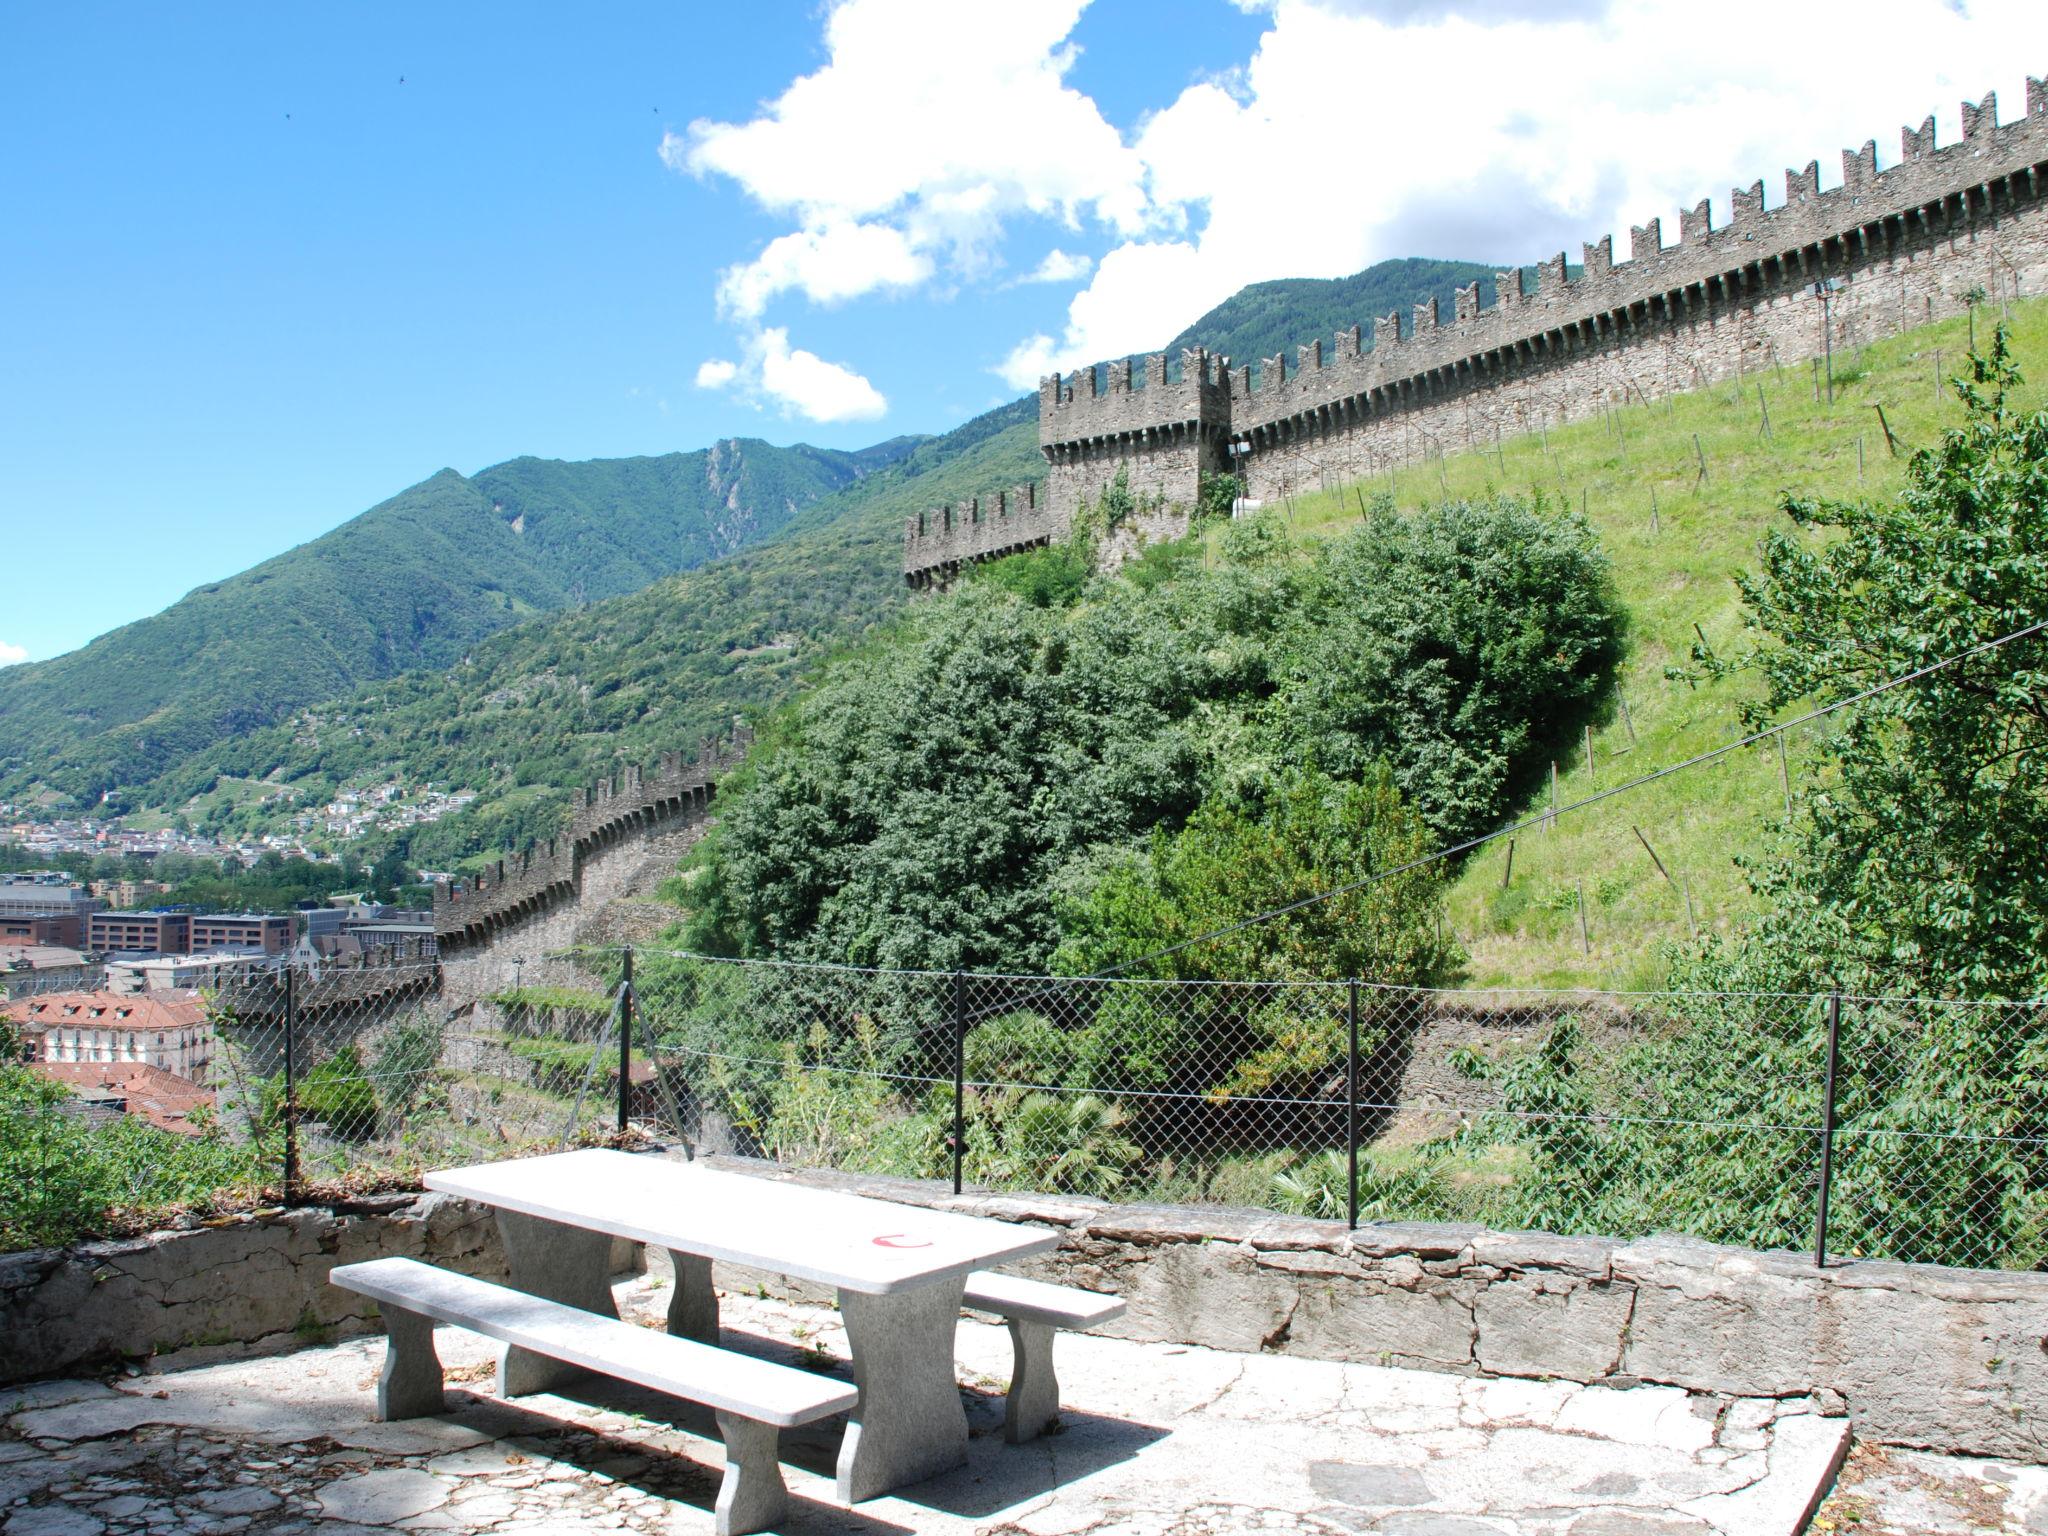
(936, 544)
(1890, 249)
(631, 805)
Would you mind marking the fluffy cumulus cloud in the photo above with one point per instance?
(831, 262)
(1494, 130)
(10, 654)
(794, 381)
(932, 124)
(1059, 267)
(1505, 132)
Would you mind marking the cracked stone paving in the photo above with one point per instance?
(1155, 1438)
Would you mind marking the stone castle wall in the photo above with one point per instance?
(1900, 247)
(626, 807)
(936, 544)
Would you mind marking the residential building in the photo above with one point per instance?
(138, 933)
(26, 968)
(268, 933)
(169, 1030)
(128, 894)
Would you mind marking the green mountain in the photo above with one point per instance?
(557, 702)
(414, 582)
(1269, 318)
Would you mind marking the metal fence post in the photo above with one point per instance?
(1351, 1111)
(959, 1076)
(291, 1084)
(1827, 1131)
(626, 1043)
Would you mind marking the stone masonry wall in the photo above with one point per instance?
(1902, 246)
(1952, 1360)
(938, 543)
(259, 1281)
(623, 809)
(1916, 1355)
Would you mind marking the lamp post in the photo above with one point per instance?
(1824, 290)
(1240, 450)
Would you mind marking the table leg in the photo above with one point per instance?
(693, 1305)
(909, 1424)
(409, 1387)
(562, 1263)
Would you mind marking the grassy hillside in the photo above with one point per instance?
(414, 582)
(1674, 564)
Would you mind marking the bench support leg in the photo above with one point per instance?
(1033, 1405)
(752, 1496)
(909, 1424)
(409, 1387)
(693, 1305)
(565, 1264)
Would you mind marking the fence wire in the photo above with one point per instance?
(1621, 1114)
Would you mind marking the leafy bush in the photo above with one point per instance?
(337, 1093)
(922, 807)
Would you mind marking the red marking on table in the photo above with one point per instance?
(901, 1240)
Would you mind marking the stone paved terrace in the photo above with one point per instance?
(1157, 1438)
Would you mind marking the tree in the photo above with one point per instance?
(1910, 878)
(1915, 863)
(1233, 1034)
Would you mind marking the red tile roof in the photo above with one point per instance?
(107, 1010)
(162, 1098)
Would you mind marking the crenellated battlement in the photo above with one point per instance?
(1898, 246)
(628, 804)
(937, 543)
(1105, 401)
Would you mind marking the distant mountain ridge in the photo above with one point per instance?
(416, 581)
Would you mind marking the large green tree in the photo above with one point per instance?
(1915, 865)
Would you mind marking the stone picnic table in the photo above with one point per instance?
(900, 1273)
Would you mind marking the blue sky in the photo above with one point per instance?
(254, 284)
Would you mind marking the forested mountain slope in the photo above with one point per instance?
(544, 708)
(414, 582)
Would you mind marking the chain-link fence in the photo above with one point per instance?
(271, 1082)
(1888, 1128)
(1902, 1129)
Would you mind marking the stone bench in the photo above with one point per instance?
(1033, 1311)
(752, 1398)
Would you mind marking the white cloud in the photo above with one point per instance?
(1504, 131)
(828, 263)
(1493, 130)
(1059, 267)
(804, 384)
(11, 654)
(716, 372)
(930, 125)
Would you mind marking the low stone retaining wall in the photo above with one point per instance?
(258, 1281)
(1952, 1360)
(1916, 1355)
